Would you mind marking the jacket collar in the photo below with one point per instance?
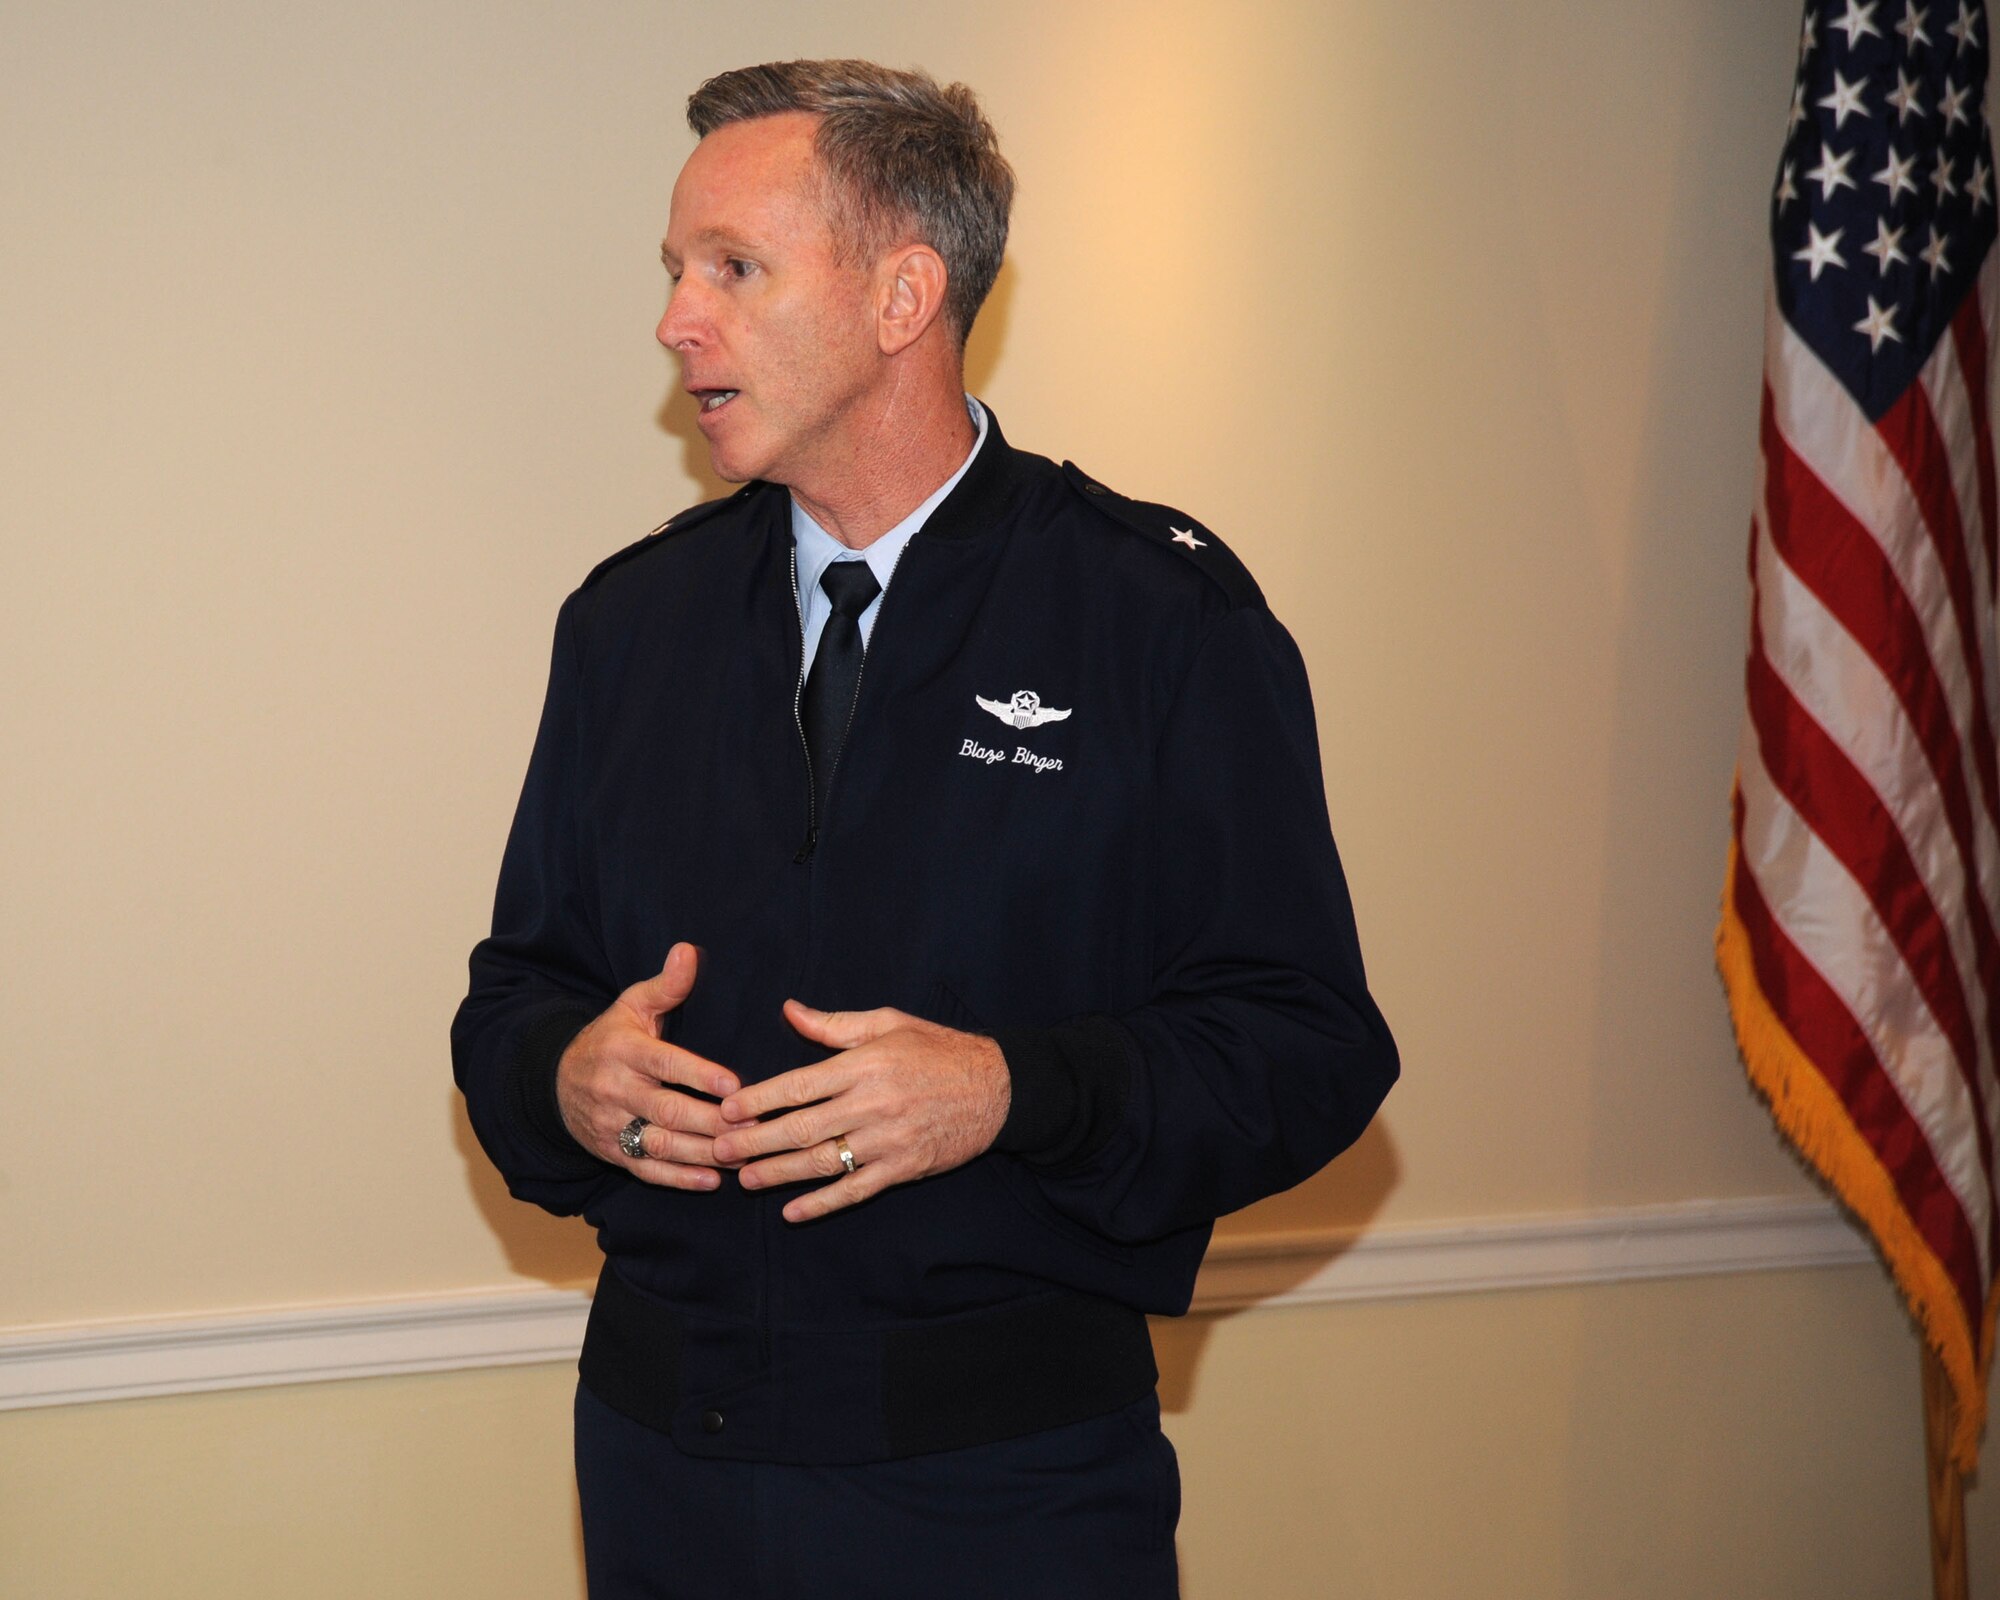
(973, 508)
(989, 485)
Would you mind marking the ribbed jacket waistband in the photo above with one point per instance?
(742, 1392)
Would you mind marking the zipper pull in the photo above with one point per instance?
(806, 850)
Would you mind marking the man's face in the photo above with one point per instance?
(775, 335)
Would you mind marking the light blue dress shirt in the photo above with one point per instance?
(814, 549)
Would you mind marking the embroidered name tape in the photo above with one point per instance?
(973, 750)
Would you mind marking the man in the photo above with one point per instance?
(1015, 781)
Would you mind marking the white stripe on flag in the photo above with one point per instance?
(1845, 693)
(1825, 914)
(1944, 384)
(1826, 430)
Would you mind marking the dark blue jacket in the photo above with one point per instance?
(1140, 901)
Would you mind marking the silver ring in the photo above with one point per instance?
(846, 1155)
(631, 1138)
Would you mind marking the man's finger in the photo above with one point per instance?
(672, 1175)
(799, 1130)
(863, 1183)
(801, 1086)
(801, 1146)
(669, 1063)
(669, 1108)
(672, 984)
(843, 1029)
(674, 1148)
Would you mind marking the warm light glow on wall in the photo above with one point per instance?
(340, 375)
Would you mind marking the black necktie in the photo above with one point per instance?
(828, 702)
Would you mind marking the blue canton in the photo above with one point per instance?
(1883, 211)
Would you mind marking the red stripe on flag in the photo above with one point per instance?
(1909, 428)
(1830, 1037)
(1835, 556)
(1840, 562)
(1968, 338)
(1829, 792)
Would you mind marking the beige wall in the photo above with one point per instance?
(328, 371)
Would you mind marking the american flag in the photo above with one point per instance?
(1860, 936)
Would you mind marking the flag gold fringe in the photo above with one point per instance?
(1816, 1120)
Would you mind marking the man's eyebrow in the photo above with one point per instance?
(720, 238)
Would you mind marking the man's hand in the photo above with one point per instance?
(618, 1068)
(910, 1097)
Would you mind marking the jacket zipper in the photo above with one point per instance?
(805, 852)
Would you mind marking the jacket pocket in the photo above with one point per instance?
(1012, 1174)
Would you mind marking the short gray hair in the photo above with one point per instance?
(902, 155)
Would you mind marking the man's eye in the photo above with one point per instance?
(736, 267)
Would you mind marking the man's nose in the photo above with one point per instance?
(680, 324)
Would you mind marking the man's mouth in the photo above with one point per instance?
(714, 399)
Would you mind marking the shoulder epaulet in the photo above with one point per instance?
(679, 522)
(1175, 530)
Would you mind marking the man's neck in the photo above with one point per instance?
(909, 446)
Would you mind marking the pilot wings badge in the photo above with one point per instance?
(1023, 709)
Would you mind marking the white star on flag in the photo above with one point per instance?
(1798, 112)
(1912, 26)
(1904, 99)
(1879, 324)
(1887, 246)
(1857, 22)
(1787, 193)
(1845, 101)
(1976, 185)
(1822, 250)
(1952, 108)
(1831, 172)
(1186, 536)
(1966, 29)
(1941, 177)
(1895, 175)
(1933, 253)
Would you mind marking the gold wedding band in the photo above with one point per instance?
(846, 1155)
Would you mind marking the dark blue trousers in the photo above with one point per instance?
(1076, 1512)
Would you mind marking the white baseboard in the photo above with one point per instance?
(1691, 1239)
(74, 1363)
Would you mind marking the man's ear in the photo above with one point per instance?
(910, 290)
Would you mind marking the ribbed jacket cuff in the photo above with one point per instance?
(531, 1088)
(1070, 1086)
